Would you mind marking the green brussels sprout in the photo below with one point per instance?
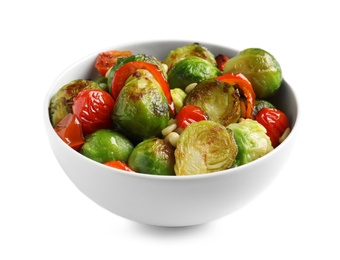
(194, 49)
(204, 147)
(261, 69)
(191, 70)
(178, 96)
(141, 109)
(106, 145)
(153, 156)
(62, 101)
(218, 99)
(251, 139)
(138, 57)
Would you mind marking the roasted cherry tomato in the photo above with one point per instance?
(275, 122)
(107, 59)
(190, 114)
(124, 72)
(70, 130)
(93, 109)
(119, 165)
(244, 84)
(221, 60)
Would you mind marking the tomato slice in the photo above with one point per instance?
(119, 165)
(93, 109)
(190, 114)
(275, 122)
(107, 59)
(244, 84)
(124, 72)
(70, 131)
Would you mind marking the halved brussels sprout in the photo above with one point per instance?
(251, 139)
(62, 101)
(194, 49)
(261, 69)
(204, 147)
(141, 110)
(191, 70)
(138, 57)
(218, 99)
(153, 156)
(106, 145)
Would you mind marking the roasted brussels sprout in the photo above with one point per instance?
(106, 145)
(62, 101)
(194, 49)
(251, 140)
(261, 69)
(204, 147)
(137, 57)
(141, 109)
(191, 70)
(153, 156)
(218, 99)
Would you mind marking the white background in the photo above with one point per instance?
(44, 216)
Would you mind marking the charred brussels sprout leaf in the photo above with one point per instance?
(251, 140)
(191, 70)
(61, 103)
(141, 109)
(261, 69)
(204, 147)
(153, 156)
(106, 145)
(137, 57)
(194, 49)
(219, 100)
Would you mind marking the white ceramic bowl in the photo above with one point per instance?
(169, 200)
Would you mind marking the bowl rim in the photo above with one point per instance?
(51, 90)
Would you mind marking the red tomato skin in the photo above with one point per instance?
(70, 131)
(190, 114)
(119, 165)
(275, 122)
(93, 110)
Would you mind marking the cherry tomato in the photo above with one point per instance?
(189, 114)
(107, 59)
(70, 130)
(119, 165)
(221, 60)
(93, 109)
(275, 122)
